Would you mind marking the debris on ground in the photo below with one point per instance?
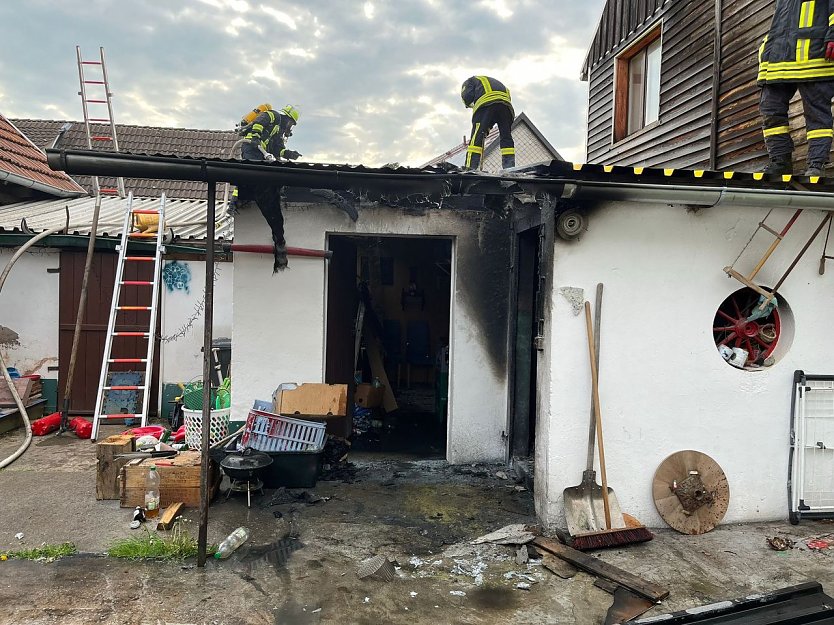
(335, 467)
(457, 593)
(284, 495)
(378, 567)
(475, 570)
(522, 586)
(516, 534)
(780, 543)
(818, 544)
(501, 475)
(521, 556)
(559, 567)
(19, 535)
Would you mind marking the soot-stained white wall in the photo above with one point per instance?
(279, 320)
(29, 310)
(663, 385)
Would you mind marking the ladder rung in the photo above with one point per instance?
(142, 235)
(108, 190)
(94, 82)
(148, 259)
(133, 308)
(138, 282)
(96, 101)
(123, 388)
(764, 226)
(144, 334)
(126, 360)
(101, 138)
(98, 119)
(91, 62)
(143, 211)
(120, 416)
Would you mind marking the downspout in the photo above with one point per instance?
(716, 88)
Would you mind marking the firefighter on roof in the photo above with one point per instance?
(798, 54)
(490, 102)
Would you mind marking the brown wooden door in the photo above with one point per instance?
(94, 326)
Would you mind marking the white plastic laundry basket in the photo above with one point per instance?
(218, 426)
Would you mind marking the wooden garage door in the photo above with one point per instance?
(94, 327)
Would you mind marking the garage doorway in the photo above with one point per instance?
(388, 322)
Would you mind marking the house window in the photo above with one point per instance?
(637, 93)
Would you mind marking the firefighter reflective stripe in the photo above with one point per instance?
(474, 149)
(822, 133)
(778, 130)
(490, 94)
(831, 20)
(806, 14)
(803, 46)
(762, 47)
(507, 151)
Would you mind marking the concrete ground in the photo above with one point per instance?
(421, 514)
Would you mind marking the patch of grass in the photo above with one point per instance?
(177, 545)
(44, 553)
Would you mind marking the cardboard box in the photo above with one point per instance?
(179, 480)
(318, 400)
(368, 396)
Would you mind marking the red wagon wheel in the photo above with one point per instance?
(731, 328)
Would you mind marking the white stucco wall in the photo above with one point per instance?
(663, 385)
(183, 356)
(279, 320)
(29, 307)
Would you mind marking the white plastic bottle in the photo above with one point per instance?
(152, 493)
(232, 542)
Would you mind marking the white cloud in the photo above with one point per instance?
(280, 17)
(499, 7)
(368, 8)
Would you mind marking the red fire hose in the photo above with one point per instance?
(267, 249)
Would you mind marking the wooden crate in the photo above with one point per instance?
(179, 480)
(108, 467)
(24, 389)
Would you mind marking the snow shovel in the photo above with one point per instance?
(585, 506)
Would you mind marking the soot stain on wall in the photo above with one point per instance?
(8, 337)
(483, 282)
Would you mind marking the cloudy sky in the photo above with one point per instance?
(376, 81)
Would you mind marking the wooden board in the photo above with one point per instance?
(595, 566)
(23, 386)
(389, 402)
(179, 480)
(313, 399)
(108, 467)
(166, 521)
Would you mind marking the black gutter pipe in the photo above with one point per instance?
(313, 176)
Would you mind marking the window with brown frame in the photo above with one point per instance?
(637, 86)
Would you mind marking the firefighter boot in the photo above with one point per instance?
(507, 161)
(815, 168)
(779, 165)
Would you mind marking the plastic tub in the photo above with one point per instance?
(293, 469)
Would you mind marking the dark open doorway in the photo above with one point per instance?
(523, 437)
(388, 312)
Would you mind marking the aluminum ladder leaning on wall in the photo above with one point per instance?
(116, 307)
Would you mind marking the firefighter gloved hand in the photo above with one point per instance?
(290, 154)
(269, 158)
(829, 51)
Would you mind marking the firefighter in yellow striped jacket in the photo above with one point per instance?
(490, 102)
(798, 53)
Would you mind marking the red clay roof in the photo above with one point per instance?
(137, 140)
(21, 157)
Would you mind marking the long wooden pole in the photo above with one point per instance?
(208, 320)
(595, 389)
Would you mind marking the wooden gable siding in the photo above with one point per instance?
(740, 143)
(620, 19)
(681, 137)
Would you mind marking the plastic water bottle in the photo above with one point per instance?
(152, 493)
(232, 542)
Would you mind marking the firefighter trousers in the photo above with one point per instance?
(482, 122)
(816, 105)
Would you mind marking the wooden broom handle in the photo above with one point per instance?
(595, 389)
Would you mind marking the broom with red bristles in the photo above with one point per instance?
(634, 532)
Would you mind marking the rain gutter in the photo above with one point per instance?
(28, 183)
(697, 196)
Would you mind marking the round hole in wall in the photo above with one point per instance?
(749, 337)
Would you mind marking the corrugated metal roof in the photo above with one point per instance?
(137, 139)
(185, 217)
(21, 157)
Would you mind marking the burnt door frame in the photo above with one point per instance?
(94, 326)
